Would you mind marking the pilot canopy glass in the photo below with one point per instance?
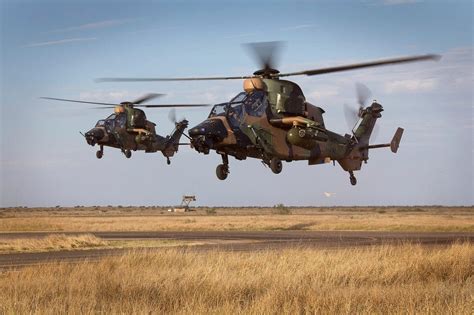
(113, 121)
(254, 104)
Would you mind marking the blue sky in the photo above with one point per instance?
(58, 48)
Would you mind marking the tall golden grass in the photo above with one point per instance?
(383, 279)
(317, 222)
(51, 242)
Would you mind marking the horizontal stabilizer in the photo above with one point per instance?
(395, 143)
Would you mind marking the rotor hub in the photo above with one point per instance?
(267, 72)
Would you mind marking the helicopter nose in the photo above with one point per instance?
(94, 135)
(213, 128)
(197, 131)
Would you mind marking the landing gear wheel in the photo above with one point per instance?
(276, 166)
(128, 154)
(168, 161)
(353, 179)
(222, 171)
(99, 154)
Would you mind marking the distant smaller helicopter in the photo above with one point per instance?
(129, 130)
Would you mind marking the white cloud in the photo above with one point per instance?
(398, 2)
(241, 35)
(390, 2)
(94, 25)
(329, 194)
(108, 96)
(411, 85)
(298, 27)
(324, 91)
(61, 41)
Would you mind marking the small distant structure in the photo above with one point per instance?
(184, 206)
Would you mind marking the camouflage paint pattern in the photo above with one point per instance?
(289, 129)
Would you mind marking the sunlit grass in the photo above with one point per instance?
(382, 279)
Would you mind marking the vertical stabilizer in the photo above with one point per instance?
(172, 143)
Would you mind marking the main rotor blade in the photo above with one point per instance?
(172, 79)
(363, 65)
(146, 97)
(75, 101)
(103, 107)
(173, 105)
(266, 53)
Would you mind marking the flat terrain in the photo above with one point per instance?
(237, 260)
(381, 279)
(217, 240)
(93, 219)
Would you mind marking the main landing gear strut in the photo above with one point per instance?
(352, 178)
(222, 170)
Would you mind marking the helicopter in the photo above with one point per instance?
(271, 119)
(128, 128)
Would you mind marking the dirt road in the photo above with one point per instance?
(230, 240)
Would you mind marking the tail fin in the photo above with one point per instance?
(172, 142)
(397, 137)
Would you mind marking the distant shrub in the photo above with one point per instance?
(281, 209)
(211, 211)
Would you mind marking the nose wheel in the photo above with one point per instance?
(352, 178)
(128, 154)
(100, 153)
(222, 170)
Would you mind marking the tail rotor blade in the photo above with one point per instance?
(363, 94)
(351, 114)
(172, 115)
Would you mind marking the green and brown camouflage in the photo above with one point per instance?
(129, 130)
(272, 121)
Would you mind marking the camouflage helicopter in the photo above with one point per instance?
(128, 128)
(271, 120)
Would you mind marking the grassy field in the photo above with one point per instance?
(62, 242)
(79, 219)
(382, 279)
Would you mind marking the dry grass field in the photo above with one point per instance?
(382, 279)
(51, 242)
(61, 242)
(79, 219)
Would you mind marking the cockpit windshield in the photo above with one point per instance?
(218, 110)
(254, 104)
(239, 98)
(102, 122)
(112, 121)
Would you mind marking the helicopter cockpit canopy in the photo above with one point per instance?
(112, 122)
(254, 104)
